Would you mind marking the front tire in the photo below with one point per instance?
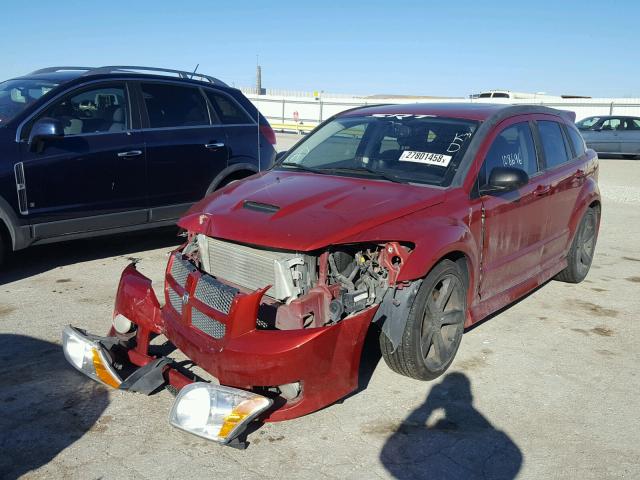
(582, 248)
(434, 327)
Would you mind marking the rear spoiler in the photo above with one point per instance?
(568, 115)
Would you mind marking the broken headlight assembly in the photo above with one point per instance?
(216, 412)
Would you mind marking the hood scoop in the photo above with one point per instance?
(260, 207)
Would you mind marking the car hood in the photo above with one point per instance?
(304, 211)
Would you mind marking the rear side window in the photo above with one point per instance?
(174, 105)
(553, 144)
(577, 141)
(228, 110)
(513, 147)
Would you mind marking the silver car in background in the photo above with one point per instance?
(615, 135)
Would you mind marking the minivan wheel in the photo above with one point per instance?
(582, 248)
(434, 327)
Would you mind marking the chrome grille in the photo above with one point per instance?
(215, 294)
(206, 324)
(21, 187)
(181, 269)
(175, 300)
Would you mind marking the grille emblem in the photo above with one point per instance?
(185, 298)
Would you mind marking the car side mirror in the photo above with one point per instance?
(505, 179)
(279, 155)
(43, 130)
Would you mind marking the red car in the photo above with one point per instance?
(420, 220)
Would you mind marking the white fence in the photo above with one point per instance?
(293, 113)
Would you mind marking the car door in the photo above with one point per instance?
(94, 177)
(185, 150)
(604, 138)
(629, 136)
(240, 127)
(514, 222)
(564, 168)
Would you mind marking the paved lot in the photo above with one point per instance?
(547, 389)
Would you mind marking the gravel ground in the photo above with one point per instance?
(546, 389)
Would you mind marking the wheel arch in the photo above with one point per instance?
(232, 172)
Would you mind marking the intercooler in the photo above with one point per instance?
(255, 268)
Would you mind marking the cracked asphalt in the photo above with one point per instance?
(546, 389)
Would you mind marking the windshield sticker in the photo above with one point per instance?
(400, 116)
(426, 158)
(457, 142)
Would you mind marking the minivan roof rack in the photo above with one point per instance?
(132, 69)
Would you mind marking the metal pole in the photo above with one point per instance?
(283, 111)
(611, 108)
(320, 110)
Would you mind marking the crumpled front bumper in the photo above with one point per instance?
(325, 360)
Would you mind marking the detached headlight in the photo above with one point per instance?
(89, 357)
(216, 412)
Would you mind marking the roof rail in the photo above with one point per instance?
(133, 69)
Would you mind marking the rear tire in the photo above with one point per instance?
(434, 327)
(582, 248)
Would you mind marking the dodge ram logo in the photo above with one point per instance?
(185, 298)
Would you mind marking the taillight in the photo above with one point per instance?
(268, 133)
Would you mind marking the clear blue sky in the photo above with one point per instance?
(453, 47)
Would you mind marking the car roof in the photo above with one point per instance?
(470, 111)
(63, 75)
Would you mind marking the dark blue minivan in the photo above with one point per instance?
(93, 151)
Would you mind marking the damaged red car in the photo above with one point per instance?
(416, 220)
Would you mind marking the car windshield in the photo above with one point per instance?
(16, 95)
(587, 123)
(405, 148)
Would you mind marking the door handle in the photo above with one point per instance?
(213, 146)
(130, 153)
(542, 190)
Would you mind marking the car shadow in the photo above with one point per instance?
(45, 405)
(447, 438)
(41, 258)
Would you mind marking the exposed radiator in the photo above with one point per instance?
(251, 268)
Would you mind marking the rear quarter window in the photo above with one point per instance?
(227, 109)
(577, 141)
(555, 151)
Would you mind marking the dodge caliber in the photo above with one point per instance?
(416, 221)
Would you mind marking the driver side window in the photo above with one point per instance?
(513, 147)
(98, 110)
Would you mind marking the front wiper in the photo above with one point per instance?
(299, 166)
(371, 172)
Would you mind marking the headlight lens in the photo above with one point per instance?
(89, 357)
(215, 412)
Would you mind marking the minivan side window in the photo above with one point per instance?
(555, 151)
(577, 141)
(174, 105)
(96, 110)
(228, 110)
(513, 147)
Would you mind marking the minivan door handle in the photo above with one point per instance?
(213, 146)
(130, 153)
(542, 190)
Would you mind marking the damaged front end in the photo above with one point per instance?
(281, 331)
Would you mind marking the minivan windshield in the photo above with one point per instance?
(405, 148)
(16, 95)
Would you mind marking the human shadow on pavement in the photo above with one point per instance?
(460, 444)
(42, 258)
(45, 405)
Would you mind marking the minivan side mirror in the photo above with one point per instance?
(505, 179)
(43, 130)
